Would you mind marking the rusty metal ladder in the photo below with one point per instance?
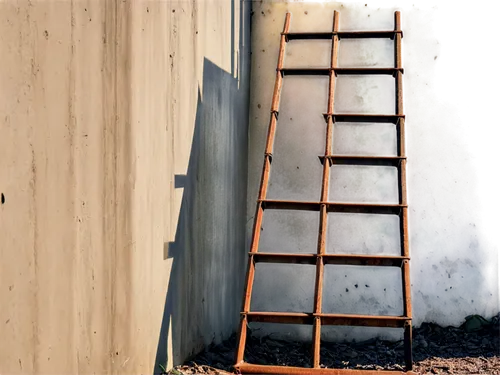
(321, 258)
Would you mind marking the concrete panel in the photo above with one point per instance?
(123, 172)
(452, 188)
(296, 174)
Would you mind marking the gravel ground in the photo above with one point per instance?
(471, 349)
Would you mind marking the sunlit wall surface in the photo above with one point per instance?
(123, 156)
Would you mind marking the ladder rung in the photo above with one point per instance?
(364, 117)
(327, 319)
(284, 258)
(389, 71)
(309, 35)
(368, 34)
(341, 259)
(341, 71)
(333, 206)
(279, 317)
(342, 35)
(305, 71)
(248, 368)
(393, 161)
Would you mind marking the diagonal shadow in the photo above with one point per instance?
(208, 253)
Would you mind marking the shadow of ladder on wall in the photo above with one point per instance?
(321, 258)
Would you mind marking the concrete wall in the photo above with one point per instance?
(452, 183)
(123, 156)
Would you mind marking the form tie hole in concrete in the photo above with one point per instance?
(3, 199)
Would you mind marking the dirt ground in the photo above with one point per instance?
(473, 348)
